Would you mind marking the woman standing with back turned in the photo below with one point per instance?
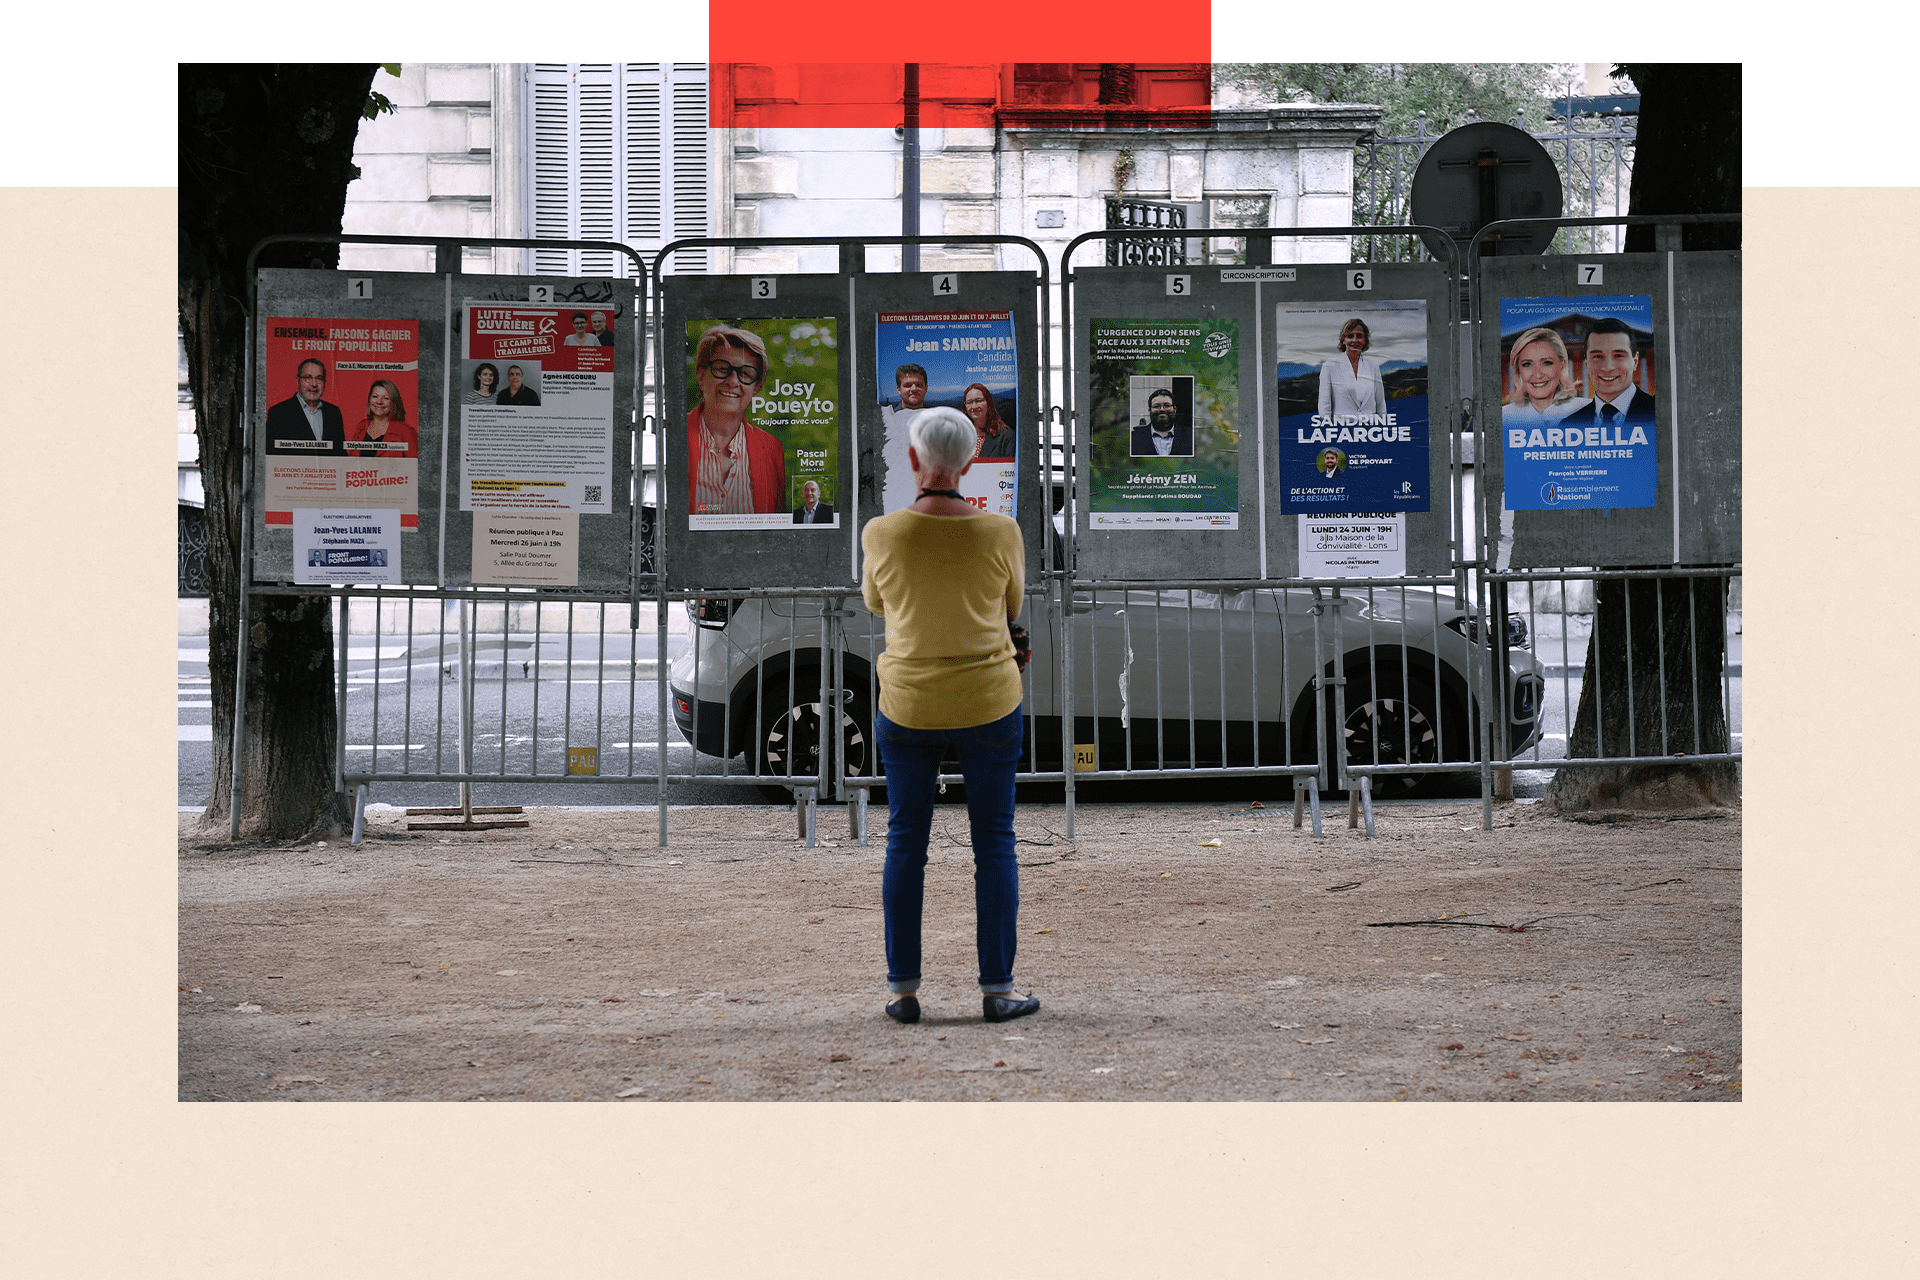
(948, 577)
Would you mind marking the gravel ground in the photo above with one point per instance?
(574, 959)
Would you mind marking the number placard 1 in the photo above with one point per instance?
(1359, 281)
(359, 287)
(1179, 286)
(539, 293)
(946, 284)
(1591, 273)
(763, 287)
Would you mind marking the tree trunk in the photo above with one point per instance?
(263, 150)
(1634, 701)
(1652, 686)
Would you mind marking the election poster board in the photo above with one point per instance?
(963, 360)
(341, 431)
(536, 409)
(1577, 402)
(764, 423)
(1164, 424)
(1351, 408)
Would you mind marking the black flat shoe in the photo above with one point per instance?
(1007, 1008)
(905, 1009)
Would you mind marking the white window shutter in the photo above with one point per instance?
(619, 153)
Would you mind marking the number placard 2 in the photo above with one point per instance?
(946, 284)
(539, 293)
(1179, 286)
(1359, 281)
(763, 287)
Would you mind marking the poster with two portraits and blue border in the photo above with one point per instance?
(1577, 402)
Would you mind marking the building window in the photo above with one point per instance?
(619, 152)
(1234, 211)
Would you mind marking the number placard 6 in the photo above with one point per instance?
(1359, 281)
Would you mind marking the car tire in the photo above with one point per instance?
(789, 737)
(1411, 724)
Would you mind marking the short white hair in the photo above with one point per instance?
(944, 439)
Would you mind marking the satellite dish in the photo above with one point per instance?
(1481, 173)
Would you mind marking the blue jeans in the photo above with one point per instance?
(989, 754)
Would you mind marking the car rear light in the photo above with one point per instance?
(711, 612)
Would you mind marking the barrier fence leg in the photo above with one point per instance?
(359, 812)
(1299, 802)
(857, 809)
(804, 809)
(1313, 800)
(1353, 805)
(1366, 803)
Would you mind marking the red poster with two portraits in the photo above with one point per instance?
(342, 426)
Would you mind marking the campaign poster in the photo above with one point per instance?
(1351, 406)
(346, 546)
(536, 409)
(763, 424)
(1576, 402)
(960, 360)
(522, 548)
(1165, 424)
(1356, 546)
(342, 428)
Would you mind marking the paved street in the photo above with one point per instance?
(527, 713)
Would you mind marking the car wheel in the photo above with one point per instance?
(790, 741)
(1406, 726)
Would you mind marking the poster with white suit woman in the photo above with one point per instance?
(1350, 382)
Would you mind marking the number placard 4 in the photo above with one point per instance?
(763, 287)
(946, 284)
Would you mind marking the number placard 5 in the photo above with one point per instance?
(1359, 281)
(763, 287)
(1179, 286)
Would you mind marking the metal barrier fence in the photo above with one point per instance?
(1369, 686)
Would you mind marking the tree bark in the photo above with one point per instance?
(1653, 665)
(264, 149)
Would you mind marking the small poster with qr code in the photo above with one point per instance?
(536, 411)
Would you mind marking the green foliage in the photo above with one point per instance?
(1445, 91)
(377, 103)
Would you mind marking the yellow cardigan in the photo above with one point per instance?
(946, 586)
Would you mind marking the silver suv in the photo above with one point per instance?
(1166, 679)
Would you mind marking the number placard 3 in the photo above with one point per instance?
(763, 287)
